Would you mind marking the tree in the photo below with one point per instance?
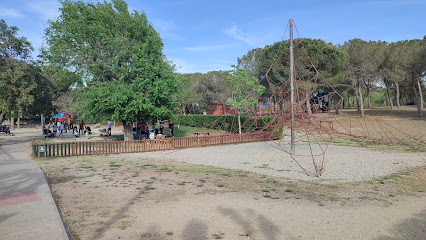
(250, 62)
(328, 59)
(357, 69)
(119, 54)
(185, 96)
(413, 61)
(245, 92)
(210, 88)
(374, 54)
(23, 86)
(392, 70)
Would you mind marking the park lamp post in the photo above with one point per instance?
(42, 94)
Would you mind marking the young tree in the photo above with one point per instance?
(245, 91)
(119, 54)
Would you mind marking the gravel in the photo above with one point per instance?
(341, 163)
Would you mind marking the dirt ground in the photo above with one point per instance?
(129, 196)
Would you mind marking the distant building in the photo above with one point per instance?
(222, 109)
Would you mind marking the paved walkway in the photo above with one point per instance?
(27, 209)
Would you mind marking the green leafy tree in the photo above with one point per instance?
(251, 62)
(413, 61)
(119, 54)
(23, 86)
(210, 88)
(245, 92)
(328, 59)
(185, 96)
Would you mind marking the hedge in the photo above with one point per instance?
(227, 123)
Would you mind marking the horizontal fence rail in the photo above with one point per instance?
(68, 149)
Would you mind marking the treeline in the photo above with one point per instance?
(28, 87)
(373, 73)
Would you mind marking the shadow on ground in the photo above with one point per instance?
(412, 228)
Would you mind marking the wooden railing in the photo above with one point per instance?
(68, 149)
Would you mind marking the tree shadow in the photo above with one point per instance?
(195, 230)
(413, 228)
(112, 220)
(269, 230)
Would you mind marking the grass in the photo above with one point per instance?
(218, 235)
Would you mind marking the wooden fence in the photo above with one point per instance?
(68, 149)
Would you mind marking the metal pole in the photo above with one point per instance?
(292, 85)
(42, 123)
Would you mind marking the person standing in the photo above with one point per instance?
(61, 130)
(142, 128)
(161, 127)
(81, 128)
(109, 127)
(55, 129)
(171, 128)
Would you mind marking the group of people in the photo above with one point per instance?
(59, 127)
(143, 131)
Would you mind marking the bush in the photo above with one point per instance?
(227, 123)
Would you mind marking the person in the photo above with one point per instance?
(171, 128)
(81, 128)
(55, 129)
(152, 135)
(142, 128)
(61, 130)
(109, 127)
(161, 127)
(146, 133)
(88, 130)
(71, 124)
(75, 132)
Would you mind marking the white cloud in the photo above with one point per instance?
(236, 33)
(48, 9)
(9, 12)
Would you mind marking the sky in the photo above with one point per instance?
(210, 35)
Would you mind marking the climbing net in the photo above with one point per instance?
(316, 104)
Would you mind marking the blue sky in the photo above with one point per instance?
(207, 35)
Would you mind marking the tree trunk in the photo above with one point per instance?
(397, 94)
(128, 131)
(239, 123)
(308, 104)
(356, 100)
(416, 94)
(420, 94)
(369, 96)
(12, 124)
(19, 122)
(360, 99)
(2, 118)
(389, 95)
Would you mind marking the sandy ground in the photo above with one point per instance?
(157, 196)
